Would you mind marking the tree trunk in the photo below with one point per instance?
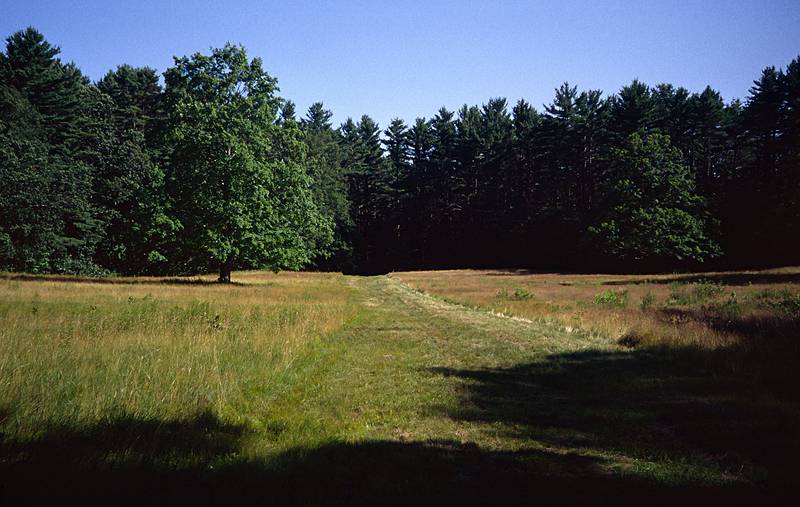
(225, 272)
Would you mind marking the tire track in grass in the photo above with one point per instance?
(547, 338)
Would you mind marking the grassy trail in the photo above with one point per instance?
(389, 371)
(492, 399)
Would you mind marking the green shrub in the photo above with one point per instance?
(79, 266)
(701, 291)
(648, 301)
(707, 289)
(767, 295)
(678, 296)
(788, 303)
(521, 295)
(612, 298)
(729, 309)
(517, 295)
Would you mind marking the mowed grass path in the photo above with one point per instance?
(318, 388)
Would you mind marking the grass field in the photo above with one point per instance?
(743, 322)
(323, 388)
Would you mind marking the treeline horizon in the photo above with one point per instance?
(213, 171)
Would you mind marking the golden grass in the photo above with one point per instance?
(78, 351)
(733, 309)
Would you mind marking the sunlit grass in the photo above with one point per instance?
(76, 354)
(753, 316)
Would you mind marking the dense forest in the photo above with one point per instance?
(208, 169)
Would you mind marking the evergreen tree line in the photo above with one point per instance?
(214, 171)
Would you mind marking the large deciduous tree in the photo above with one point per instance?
(651, 211)
(236, 172)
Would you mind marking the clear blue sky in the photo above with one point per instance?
(406, 59)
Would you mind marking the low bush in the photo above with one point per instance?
(702, 291)
(612, 298)
(788, 303)
(730, 309)
(648, 301)
(517, 295)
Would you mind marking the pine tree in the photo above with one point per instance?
(329, 186)
(129, 183)
(48, 220)
(703, 152)
(398, 149)
(369, 185)
(632, 110)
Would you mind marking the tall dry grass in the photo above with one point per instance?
(745, 322)
(75, 352)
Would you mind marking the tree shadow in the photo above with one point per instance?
(765, 347)
(513, 272)
(121, 460)
(128, 441)
(783, 328)
(732, 279)
(654, 406)
(128, 461)
(116, 281)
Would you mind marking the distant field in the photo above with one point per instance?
(315, 388)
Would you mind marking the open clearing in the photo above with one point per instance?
(324, 388)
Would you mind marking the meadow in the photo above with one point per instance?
(747, 321)
(75, 353)
(317, 388)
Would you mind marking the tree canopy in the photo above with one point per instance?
(652, 211)
(214, 171)
(236, 174)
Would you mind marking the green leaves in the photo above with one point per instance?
(217, 171)
(652, 210)
(46, 160)
(237, 174)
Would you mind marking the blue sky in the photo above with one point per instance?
(407, 59)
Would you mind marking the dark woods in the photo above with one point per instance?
(214, 171)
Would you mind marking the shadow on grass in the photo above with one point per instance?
(732, 279)
(766, 348)
(589, 410)
(781, 329)
(129, 441)
(647, 405)
(115, 281)
(130, 462)
(512, 272)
